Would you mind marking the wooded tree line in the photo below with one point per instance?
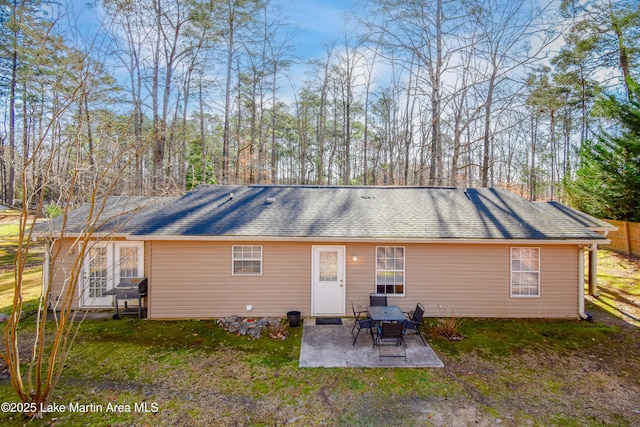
(444, 92)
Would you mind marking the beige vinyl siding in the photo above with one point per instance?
(194, 280)
(361, 276)
(474, 281)
(61, 270)
(471, 281)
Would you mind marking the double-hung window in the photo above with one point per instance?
(390, 270)
(525, 272)
(247, 260)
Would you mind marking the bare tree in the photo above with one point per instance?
(130, 20)
(234, 16)
(322, 117)
(346, 69)
(53, 341)
(64, 159)
(424, 33)
(514, 36)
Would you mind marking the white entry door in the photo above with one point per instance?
(105, 265)
(328, 287)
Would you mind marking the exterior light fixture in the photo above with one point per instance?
(354, 258)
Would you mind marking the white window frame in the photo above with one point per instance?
(113, 268)
(519, 270)
(403, 270)
(139, 246)
(234, 259)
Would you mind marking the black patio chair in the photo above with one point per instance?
(391, 334)
(361, 324)
(414, 323)
(378, 299)
(358, 314)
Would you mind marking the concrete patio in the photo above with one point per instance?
(330, 346)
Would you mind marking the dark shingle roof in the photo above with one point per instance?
(420, 213)
(579, 217)
(264, 211)
(113, 215)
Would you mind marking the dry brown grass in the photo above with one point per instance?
(278, 328)
(447, 328)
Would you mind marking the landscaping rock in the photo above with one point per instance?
(244, 326)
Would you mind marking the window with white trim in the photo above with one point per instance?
(390, 270)
(128, 257)
(247, 260)
(105, 266)
(525, 272)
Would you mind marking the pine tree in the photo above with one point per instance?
(608, 181)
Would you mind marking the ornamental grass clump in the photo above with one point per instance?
(278, 329)
(448, 328)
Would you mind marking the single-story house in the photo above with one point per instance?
(258, 250)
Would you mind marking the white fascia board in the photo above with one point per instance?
(335, 239)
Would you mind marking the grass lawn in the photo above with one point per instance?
(33, 273)
(506, 372)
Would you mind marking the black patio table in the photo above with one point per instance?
(386, 313)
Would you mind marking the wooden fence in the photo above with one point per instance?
(626, 239)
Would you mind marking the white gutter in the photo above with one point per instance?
(581, 312)
(605, 230)
(337, 239)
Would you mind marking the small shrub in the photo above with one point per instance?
(448, 328)
(52, 210)
(278, 329)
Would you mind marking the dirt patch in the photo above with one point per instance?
(619, 289)
(25, 348)
(587, 388)
(628, 311)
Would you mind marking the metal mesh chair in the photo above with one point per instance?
(378, 299)
(391, 334)
(358, 314)
(361, 324)
(413, 325)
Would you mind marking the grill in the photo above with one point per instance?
(129, 290)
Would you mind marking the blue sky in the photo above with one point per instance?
(316, 22)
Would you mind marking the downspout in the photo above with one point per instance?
(581, 312)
